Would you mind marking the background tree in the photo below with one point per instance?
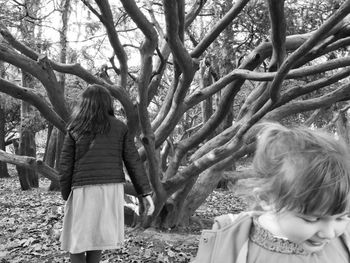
(264, 60)
(3, 165)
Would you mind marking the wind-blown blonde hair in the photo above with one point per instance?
(303, 170)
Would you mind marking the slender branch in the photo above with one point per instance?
(154, 20)
(107, 20)
(194, 12)
(311, 86)
(336, 116)
(307, 46)
(313, 116)
(342, 93)
(93, 10)
(218, 28)
(201, 95)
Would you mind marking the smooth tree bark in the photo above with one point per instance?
(59, 135)
(278, 78)
(49, 154)
(28, 178)
(27, 147)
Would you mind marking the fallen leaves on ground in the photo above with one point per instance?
(31, 221)
(30, 224)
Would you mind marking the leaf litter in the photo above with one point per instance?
(31, 222)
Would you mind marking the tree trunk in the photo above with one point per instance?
(54, 186)
(27, 145)
(3, 166)
(206, 182)
(48, 136)
(168, 149)
(342, 125)
(65, 6)
(23, 177)
(228, 57)
(50, 153)
(28, 178)
(206, 105)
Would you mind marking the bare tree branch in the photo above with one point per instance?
(194, 12)
(307, 46)
(43, 72)
(107, 20)
(288, 96)
(342, 93)
(165, 51)
(180, 53)
(30, 162)
(278, 33)
(141, 21)
(34, 98)
(93, 10)
(218, 28)
(313, 116)
(154, 20)
(167, 120)
(298, 91)
(236, 142)
(147, 50)
(201, 95)
(77, 70)
(336, 116)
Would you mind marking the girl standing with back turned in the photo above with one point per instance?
(91, 167)
(304, 201)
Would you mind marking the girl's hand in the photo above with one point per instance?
(146, 205)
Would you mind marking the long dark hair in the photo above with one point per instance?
(93, 112)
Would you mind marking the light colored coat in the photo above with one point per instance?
(227, 241)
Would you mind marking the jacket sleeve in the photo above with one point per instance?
(135, 167)
(66, 165)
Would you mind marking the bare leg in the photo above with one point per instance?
(77, 258)
(93, 256)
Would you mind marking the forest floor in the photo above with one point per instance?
(31, 221)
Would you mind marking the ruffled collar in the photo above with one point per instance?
(265, 239)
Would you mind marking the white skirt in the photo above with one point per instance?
(93, 218)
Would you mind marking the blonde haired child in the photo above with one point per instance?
(304, 201)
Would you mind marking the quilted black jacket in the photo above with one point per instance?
(98, 159)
